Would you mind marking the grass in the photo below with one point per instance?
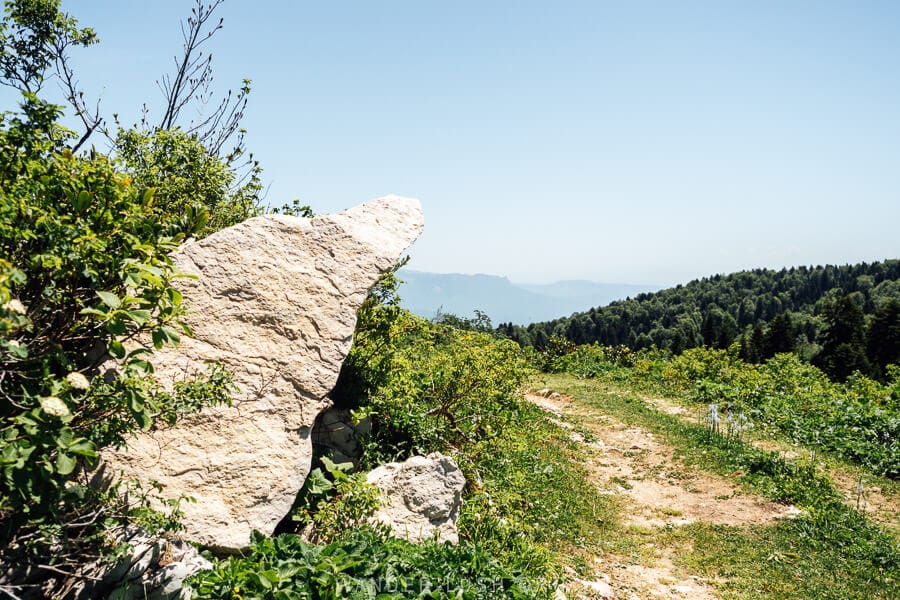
(830, 551)
(532, 503)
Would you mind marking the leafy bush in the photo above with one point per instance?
(858, 420)
(332, 504)
(85, 271)
(430, 387)
(361, 563)
(589, 360)
(86, 283)
(182, 170)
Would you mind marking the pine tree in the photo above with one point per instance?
(843, 348)
(883, 339)
(780, 336)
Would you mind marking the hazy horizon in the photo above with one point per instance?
(660, 285)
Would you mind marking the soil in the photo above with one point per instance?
(658, 491)
(883, 506)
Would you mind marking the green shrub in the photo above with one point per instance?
(858, 420)
(183, 171)
(589, 360)
(430, 387)
(334, 500)
(361, 563)
(85, 271)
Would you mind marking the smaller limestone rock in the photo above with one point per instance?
(336, 434)
(422, 497)
(146, 554)
(166, 584)
(163, 577)
(599, 589)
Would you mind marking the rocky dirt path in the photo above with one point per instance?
(883, 506)
(658, 491)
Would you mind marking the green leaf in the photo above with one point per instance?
(116, 327)
(139, 364)
(333, 467)
(116, 349)
(109, 299)
(83, 447)
(158, 338)
(81, 200)
(171, 335)
(65, 464)
(317, 484)
(139, 316)
(174, 296)
(143, 419)
(165, 335)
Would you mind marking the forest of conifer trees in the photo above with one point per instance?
(841, 318)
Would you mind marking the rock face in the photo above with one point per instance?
(155, 569)
(275, 301)
(337, 436)
(423, 496)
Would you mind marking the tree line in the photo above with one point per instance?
(842, 318)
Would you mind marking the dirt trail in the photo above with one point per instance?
(631, 461)
(870, 499)
(659, 491)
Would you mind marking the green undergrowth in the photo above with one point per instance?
(857, 420)
(527, 509)
(830, 550)
(363, 563)
(776, 562)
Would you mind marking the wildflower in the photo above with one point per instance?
(54, 406)
(15, 306)
(78, 381)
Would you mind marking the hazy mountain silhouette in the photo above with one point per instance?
(503, 301)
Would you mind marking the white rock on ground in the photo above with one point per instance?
(163, 577)
(423, 496)
(275, 301)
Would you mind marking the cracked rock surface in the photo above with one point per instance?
(275, 301)
(422, 497)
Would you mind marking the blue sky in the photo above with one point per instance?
(635, 142)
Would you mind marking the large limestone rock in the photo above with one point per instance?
(422, 497)
(275, 300)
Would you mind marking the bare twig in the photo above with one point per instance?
(8, 590)
(91, 120)
(191, 83)
(68, 573)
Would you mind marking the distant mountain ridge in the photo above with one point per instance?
(503, 301)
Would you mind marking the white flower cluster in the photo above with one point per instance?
(737, 422)
(15, 306)
(78, 381)
(732, 423)
(55, 407)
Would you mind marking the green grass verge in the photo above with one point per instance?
(530, 500)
